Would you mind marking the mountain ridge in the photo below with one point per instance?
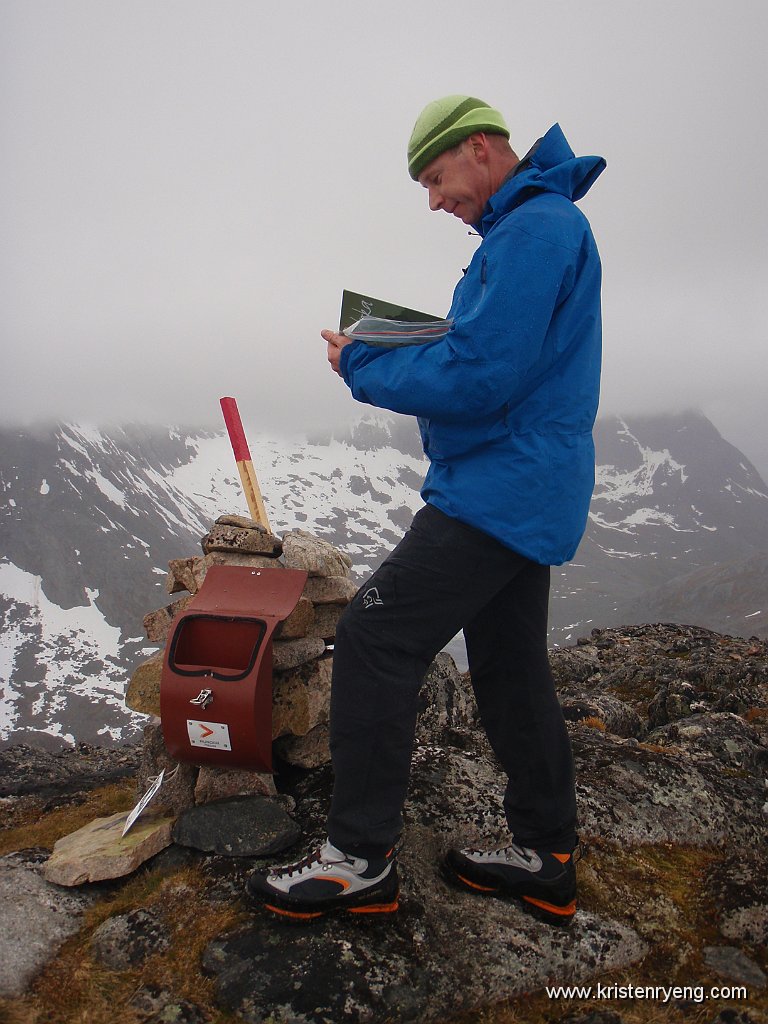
(91, 518)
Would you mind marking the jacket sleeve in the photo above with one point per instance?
(497, 346)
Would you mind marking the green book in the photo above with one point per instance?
(386, 324)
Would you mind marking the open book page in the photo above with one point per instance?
(386, 324)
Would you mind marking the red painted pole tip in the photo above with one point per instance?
(235, 430)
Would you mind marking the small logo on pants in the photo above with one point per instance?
(371, 597)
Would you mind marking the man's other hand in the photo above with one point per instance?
(336, 343)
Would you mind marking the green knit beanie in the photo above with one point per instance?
(445, 123)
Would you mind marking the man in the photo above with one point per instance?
(506, 402)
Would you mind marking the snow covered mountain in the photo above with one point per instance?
(672, 498)
(678, 527)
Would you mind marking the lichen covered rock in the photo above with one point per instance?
(143, 692)
(408, 971)
(99, 850)
(241, 826)
(302, 550)
(636, 793)
(126, 940)
(720, 735)
(301, 699)
(37, 918)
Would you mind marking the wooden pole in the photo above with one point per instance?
(244, 464)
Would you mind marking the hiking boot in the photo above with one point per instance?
(326, 881)
(544, 883)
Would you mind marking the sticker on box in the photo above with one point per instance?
(211, 735)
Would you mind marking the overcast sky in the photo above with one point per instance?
(187, 185)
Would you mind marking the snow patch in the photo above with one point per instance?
(65, 639)
(612, 485)
(114, 494)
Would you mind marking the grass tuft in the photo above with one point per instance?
(76, 989)
(593, 722)
(32, 829)
(655, 889)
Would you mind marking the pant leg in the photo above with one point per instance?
(509, 666)
(438, 578)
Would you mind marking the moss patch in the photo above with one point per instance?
(31, 829)
(76, 989)
(656, 890)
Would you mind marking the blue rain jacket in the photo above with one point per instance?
(507, 399)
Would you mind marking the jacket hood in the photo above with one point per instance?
(551, 166)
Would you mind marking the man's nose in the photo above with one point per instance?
(435, 200)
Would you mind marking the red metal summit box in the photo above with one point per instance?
(216, 684)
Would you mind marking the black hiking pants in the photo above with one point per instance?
(441, 577)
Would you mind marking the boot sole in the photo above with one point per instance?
(550, 913)
(376, 901)
(306, 916)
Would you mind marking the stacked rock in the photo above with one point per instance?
(301, 658)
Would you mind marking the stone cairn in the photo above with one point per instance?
(302, 660)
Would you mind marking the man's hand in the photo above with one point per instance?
(336, 343)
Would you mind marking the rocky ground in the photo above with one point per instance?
(669, 726)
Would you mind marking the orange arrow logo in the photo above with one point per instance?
(205, 732)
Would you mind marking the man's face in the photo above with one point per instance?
(458, 182)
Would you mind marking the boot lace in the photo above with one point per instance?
(504, 851)
(311, 859)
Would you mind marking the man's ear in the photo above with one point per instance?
(479, 145)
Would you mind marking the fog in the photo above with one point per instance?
(187, 186)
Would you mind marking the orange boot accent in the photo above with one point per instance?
(474, 885)
(293, 913)
(552, 908)
(562, 857)
(375, 908)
